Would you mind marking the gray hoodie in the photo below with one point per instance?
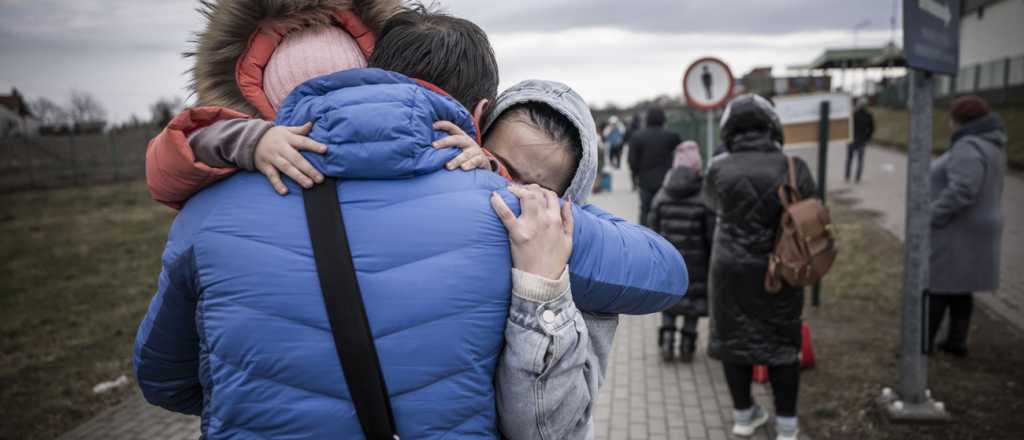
(569, 103)
(555, 356)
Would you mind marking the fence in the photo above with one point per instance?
(1000, 81)
(66, 160)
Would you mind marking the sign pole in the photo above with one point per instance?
(914, 367)
(914, 401)
(823, 125)
(709, 148)
(931, 41)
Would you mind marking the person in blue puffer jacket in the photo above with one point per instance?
(237, 331)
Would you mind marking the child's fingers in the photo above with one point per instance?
(531, 201)
(460, 141)
(449, 127)
(304, 166)
(305, 143)
(290, 170)
(463, 158)
(274, 178)
(301, 130)
(504, 213)
(478, 162)
(567, 221)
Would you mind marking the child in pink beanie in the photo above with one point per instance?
(687, 155)
(248, 58)
(679, 213)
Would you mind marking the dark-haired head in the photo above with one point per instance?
(449, 52)
(655, 117)
(537, 144)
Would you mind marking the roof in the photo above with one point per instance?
(15, 103)
(845, 58)
(891, 56)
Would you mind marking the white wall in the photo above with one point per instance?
(998, 34)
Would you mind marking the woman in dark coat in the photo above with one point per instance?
(749, 325)
(679, 214)
(967, 218)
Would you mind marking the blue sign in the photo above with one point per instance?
(931, 35)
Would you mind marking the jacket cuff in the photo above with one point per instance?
(537, 288)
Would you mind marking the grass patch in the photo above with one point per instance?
(78, 269)
(892, 128)
(856, 333)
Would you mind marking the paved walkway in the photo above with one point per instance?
(883, 189)
(644, 398)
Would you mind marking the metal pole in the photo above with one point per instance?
(709, 149)
(113, 156)
(31, 151)
(74, 158)
(823, 126)
(914, 365)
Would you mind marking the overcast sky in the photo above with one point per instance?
(127, 52)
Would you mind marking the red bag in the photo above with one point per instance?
(807, 358)
(760, 374)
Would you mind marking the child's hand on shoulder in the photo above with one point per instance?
(278, 152)
(472, 156)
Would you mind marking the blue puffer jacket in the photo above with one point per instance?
(237, 331)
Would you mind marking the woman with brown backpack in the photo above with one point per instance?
(750, 325)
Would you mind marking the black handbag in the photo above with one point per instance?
(345, 311)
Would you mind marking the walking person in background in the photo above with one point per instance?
(614, 136)
(650, 157)
(749, 325)
(863, 130)
(967, 219)
(631, 129)
(680, 214)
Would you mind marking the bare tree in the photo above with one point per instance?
(49, 113)
(86, 109)
(162, 111)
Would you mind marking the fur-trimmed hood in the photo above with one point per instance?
(232, 27)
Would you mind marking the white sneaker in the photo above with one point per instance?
(788, 435)
(748, 427)
(786, 428)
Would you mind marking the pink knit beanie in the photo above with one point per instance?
(306, 54)
(687, 155)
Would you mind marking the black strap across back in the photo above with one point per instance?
(346, 313)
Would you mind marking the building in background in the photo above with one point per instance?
(991, 51)
(16, 120)
(761, 81)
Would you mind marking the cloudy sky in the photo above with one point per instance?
(127, 52)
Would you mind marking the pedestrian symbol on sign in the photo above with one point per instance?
(707, 80)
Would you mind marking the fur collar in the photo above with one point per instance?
(230, 24)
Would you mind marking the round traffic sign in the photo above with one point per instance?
(707, 84)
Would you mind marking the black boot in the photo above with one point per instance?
(666, 341)
(687, 346)
(960, 310)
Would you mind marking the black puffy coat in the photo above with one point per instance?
(679, 214)
(750, 325)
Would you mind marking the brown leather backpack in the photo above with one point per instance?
(804, 245)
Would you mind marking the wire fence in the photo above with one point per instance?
(73, 159)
